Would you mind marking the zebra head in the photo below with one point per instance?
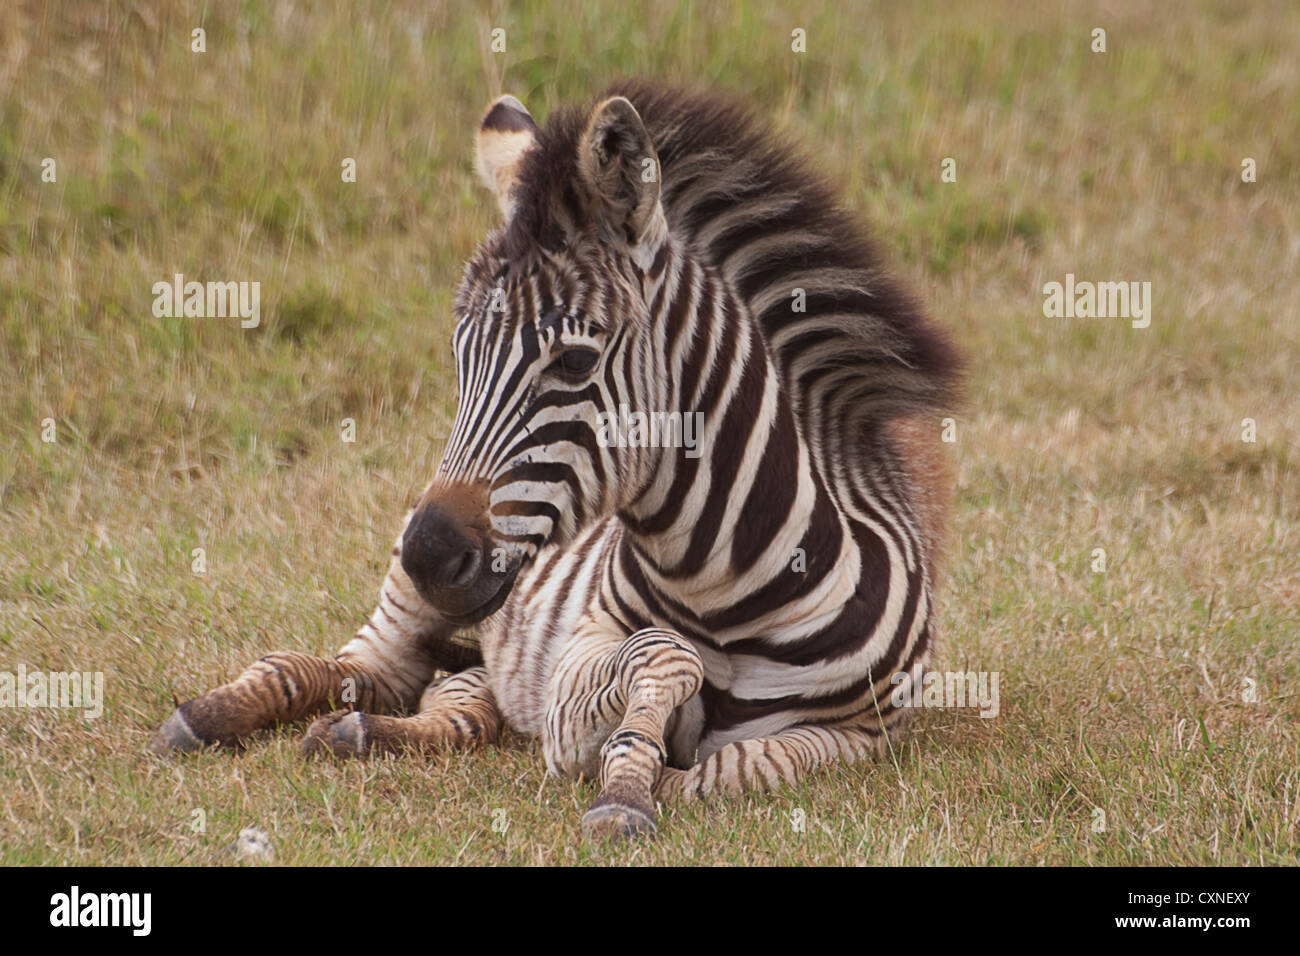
(553, 330)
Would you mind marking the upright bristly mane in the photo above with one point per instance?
(741, 198)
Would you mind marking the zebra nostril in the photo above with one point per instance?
(465, 570)
(437, 554)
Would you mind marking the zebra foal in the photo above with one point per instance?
(677, 622)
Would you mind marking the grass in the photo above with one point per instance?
(1122, 690)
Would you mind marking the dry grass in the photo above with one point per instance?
(1121, 690)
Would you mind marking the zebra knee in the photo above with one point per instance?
(659, 665)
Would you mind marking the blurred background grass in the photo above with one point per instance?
(180, 433)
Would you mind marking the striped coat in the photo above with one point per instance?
(677, 617)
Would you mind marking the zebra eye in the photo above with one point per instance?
(574, 364)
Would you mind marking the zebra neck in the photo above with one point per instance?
(748, 511)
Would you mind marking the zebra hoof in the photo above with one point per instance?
(616, 821)
(341, 733)
(176, 736)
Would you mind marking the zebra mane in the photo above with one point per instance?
(740, 197)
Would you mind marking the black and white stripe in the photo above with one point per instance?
(796, 458)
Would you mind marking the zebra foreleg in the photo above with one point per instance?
(458, 711)
(279, 688)
(655, 672)
(769, 762)
(383, 668)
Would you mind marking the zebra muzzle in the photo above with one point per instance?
(452, 565)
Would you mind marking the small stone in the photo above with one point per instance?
(254, 846)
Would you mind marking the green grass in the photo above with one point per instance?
(1121, 690)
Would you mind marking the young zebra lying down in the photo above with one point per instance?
(679, 623)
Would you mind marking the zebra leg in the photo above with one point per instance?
(281, 687)
(655, 672)
(383, 668)
(458, 711)
(769, 762)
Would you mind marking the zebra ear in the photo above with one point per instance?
(620, 169)
(506, 133)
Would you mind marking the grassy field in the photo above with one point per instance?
(1161, 690)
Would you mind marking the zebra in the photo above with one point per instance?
(676, 625)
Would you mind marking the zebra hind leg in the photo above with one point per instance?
(458, 711)
(656, 671)
(769, 762)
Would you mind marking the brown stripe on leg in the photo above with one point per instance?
(656, 671)
(278, 688)
(385, 667)
(458, 712)
(769, 762)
